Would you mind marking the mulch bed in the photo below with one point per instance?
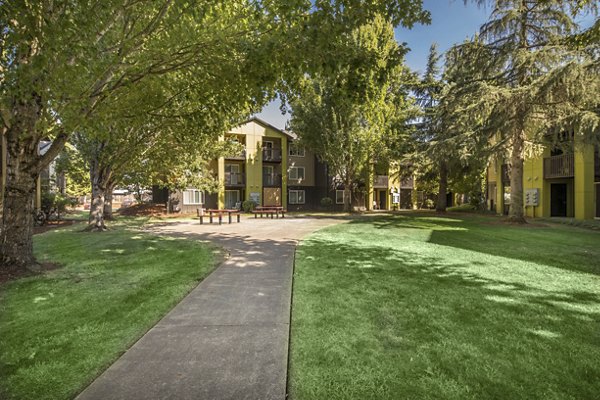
(52, 225)
(12, 274)
(149, 210)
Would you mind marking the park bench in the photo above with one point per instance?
(219, 214)
(269, 211)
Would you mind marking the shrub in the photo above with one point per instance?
(248, 205)
(326, 202)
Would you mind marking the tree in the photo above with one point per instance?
(345, 114)
(61, 61)
(512, 62)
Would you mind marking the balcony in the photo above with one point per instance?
(381, 181)
(407, 183)
(559, 166)
(272, 180)
(271, 155)
(234, 179)
(240, 156)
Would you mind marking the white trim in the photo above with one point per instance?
(296, 169)
(296, 192)
(192, 197)
(297, 151)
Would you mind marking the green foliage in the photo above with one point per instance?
(326, 202)
(248, 205)
(349, 114)
(519, 85)
(463, 208)
(55, 339)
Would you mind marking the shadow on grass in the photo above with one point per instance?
(559, 246)
(498, 328)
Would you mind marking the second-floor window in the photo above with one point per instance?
(296, 151)
(296, 173)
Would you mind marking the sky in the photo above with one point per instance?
(451, 22)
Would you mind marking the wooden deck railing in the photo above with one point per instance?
(559, 166)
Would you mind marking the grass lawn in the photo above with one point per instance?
(59, 330)
(458, 307)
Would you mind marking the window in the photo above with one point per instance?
(232, 199)
(339, 197)
(296, 151)
(192, 197)
(296, 173)
(296, 197)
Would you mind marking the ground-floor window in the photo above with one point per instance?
(296, 197)
(193, 197)
(232, 199)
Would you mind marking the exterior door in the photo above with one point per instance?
(558, 200)
(268, 150)
(272, 197)
(232, 198)
(382, 199)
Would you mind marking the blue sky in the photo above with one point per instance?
(451, 22)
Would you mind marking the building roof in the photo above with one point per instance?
(268, 125)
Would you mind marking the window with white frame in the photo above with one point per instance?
(339, 197)
(193, 197)
(296, 173)
(296, 151)
(296, 197)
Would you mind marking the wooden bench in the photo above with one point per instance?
(269, 211)
(219, 213)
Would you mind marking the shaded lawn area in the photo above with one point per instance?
(59, 330)
(458, 307)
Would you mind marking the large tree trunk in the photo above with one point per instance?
(99, 177)
(443, 189)
(515, 212)
(108, 201)
(16, 231)
(22, 168)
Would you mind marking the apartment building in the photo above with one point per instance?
(560, 182)
(273, 170)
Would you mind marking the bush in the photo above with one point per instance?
(248, 205)
(326, 202)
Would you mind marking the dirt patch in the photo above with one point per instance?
(16, 273)
(52, 225)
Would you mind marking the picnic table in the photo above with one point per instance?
(219, 213)
(269, 211)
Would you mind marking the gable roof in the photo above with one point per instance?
(268, 125)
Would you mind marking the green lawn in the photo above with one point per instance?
(463, 307)
(58, 331)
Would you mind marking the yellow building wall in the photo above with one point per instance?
(584, 182)
(580, 188)
(255, 134)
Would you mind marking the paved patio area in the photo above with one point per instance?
(228, 339)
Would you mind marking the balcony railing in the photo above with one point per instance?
(559, 166)
(240, 156)
(271, 155)
(271, 180)
(381, 181)
(234, 178)
(407, 183)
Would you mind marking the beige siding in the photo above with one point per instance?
(308, 162)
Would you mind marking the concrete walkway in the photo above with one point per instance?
(228, 339)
